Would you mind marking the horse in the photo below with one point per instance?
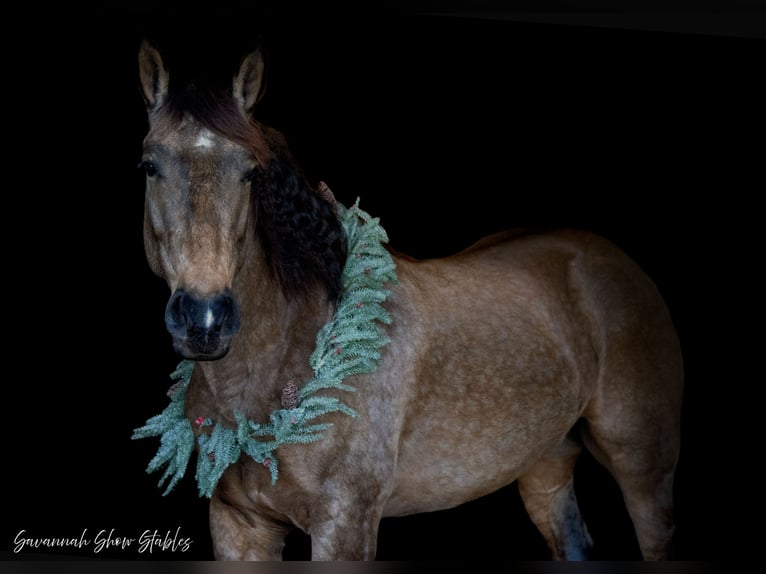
(497, 364)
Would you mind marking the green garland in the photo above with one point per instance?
(348, 344)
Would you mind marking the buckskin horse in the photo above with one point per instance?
(494, 365)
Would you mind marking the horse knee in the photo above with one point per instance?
(352, 543)
(238, 535)
(345, 532)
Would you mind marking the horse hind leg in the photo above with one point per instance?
(547, 490)
(643, 468)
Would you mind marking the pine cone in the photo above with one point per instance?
(290, 396)
(325, 193)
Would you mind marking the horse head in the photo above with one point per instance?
(211, 171)
(196, 206)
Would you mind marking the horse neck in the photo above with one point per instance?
(273, 346)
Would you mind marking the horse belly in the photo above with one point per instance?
(472, 441)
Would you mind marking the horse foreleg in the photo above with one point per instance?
(347, 534)
(244, 535)
(547, 491)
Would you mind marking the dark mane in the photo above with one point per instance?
(302, 238)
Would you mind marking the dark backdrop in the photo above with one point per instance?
(448, 128)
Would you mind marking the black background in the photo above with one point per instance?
(448, 128)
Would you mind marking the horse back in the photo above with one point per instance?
(610, 299)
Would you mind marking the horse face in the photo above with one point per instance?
(197, 208)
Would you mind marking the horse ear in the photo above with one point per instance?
(249, 83)
(153, 76)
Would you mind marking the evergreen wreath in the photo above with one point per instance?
(348, 344)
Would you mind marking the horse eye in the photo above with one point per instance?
(149, 168)
(249, 175)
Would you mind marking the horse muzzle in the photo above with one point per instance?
(202, 327)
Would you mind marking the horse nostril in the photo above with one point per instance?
(176, 317)
(186, 314)
(219, 311)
